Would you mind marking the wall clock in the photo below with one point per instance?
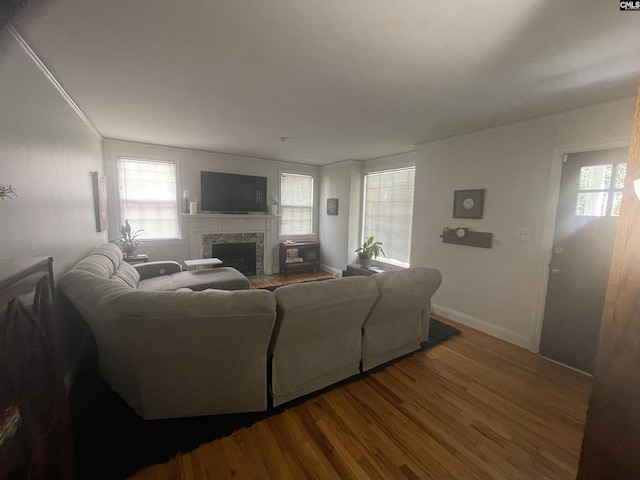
(468, 203)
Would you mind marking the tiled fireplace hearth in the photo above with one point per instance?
(208, 230)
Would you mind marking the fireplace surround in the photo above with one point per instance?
(208, 230)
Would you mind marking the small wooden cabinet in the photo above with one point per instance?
(35, 432)
(356, 270)
(299, 256)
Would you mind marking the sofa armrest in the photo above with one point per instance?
(154, 269)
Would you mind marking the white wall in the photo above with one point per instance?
(48, 153)
(501, 290)
(191, 162)
(339, 234)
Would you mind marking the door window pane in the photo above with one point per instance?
(621, 174)
(617, 202)
(595, 177)
(592, 204)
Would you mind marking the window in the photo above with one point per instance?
(296, 204)
(148, 197)
(598, 193)
(388, 212)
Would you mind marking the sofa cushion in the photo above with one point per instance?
(222, 278)
(318, 334)
(395, 325)
(110, 251)
(127, 274)
(156, 284)
(96, 264)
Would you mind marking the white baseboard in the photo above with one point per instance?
(483, 326)
(331, 270)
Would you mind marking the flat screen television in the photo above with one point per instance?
(231, 193)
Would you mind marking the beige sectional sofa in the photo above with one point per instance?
(174, 353)
(177, 353)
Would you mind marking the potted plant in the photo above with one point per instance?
(369, 248)
(128, 238)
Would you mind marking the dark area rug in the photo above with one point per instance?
(112, 442)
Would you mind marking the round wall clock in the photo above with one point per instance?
(468, 203)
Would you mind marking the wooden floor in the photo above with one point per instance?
(472, 408)
(278, 279)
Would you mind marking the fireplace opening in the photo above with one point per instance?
(241, 256)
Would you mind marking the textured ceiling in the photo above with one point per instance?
(345, 79)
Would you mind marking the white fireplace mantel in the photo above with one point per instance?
(200, 224)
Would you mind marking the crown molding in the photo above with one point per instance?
(49, 76)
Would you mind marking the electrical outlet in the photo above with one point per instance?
(523, 233)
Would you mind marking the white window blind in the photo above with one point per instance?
(296, 204)
(388, 212)
(148, 197)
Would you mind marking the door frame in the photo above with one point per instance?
(548, 229)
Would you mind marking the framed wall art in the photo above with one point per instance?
(332, 206)
(100, 200)
(468, 203)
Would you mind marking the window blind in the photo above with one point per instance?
(148, 197)
(388, 212)
(296, 204)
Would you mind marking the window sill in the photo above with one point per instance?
(388, 265)
(162, 242)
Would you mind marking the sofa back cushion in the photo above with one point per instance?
(106, 262)
(318, 334)
(399, 320)
(127, 274)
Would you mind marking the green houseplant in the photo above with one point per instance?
(128, 238)
(370, 248)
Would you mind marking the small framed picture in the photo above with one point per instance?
(468, 203)
(332, 206)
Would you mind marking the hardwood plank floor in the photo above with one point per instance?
(280, 279)
(474, 407)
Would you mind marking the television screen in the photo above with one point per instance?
(231, 193)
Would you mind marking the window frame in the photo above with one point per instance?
(314, 205)
(610, 191)
(174, 241)
(381, 170)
